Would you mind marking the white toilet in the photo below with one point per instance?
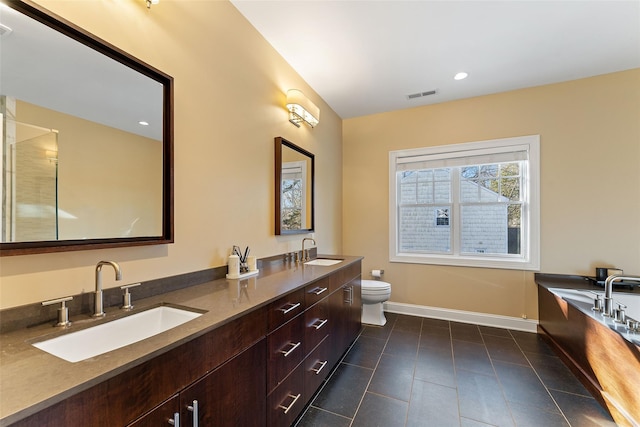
(374, 293)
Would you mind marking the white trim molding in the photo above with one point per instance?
(484, 319)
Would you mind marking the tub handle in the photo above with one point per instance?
(597, 301)
(620, 315)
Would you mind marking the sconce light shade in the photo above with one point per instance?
(51, 155)
(301, 109)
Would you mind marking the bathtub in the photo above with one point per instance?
(601, 352)
(583, 300)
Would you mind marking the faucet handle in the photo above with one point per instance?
(620, 314)
(597, 301)
(63, 311)
(126, 297)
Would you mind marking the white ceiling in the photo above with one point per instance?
(364, 56)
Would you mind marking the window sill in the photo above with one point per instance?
(468, 261)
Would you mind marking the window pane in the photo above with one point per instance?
(425, 192)
(484, 228)
(489, 190)
(510, 169)
(407, 187)
(515, 228)
(442, 191)
(510, 188)
(469, 172)
(418, 231)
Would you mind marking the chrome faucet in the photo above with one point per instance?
(98, 308)
(608, 292)
(306, 258)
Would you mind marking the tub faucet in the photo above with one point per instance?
(98, 308)
(607, 310)
(305, 258)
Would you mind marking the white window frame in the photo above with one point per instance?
(529, 259)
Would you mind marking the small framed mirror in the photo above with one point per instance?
(294, 190)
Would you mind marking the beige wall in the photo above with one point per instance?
(229, 105)
(590, 186)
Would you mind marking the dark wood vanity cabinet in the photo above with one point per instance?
(260, 369)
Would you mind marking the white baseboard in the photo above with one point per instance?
(483, 319)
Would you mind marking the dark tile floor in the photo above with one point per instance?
(426, 372)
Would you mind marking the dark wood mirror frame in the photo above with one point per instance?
(167, 235)
(279, 144)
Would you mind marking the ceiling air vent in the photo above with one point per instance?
(421, 94)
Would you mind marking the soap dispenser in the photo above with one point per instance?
(233, 266)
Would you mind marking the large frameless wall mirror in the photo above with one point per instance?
(87, 139)
(294, 188)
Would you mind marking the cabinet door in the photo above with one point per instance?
(354, 302)
(160, 416)
(231, 395)
(338, 302)
(345, 312)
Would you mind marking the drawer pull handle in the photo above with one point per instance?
(194, 408)
(348, 291)
(295, 399)
(322, 365)
(317, 291)
(296, 345)
(291, 305)
(321, 324)
(176, 420)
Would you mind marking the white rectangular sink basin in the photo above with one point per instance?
(118, 333)
(323, 261)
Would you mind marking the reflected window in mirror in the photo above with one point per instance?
(294, 188)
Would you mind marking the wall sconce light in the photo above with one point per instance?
(150, 2)
(301, 109)
(51, 155)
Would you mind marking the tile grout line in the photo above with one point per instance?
(455, 373)
(413, 376)
(502, 391)
(540, 379)
(373, 373)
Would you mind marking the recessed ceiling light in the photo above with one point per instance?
(460, 76)
(143, 123)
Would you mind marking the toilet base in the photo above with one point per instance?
(373, 314)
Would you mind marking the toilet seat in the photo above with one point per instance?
(375, 287)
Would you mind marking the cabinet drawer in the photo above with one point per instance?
(317, 324)
(286, 402)
(316, 368)
(316, 291)
(286, 308)
(286, 351)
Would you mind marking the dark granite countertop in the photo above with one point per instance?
(31, 379)
(567, 281)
